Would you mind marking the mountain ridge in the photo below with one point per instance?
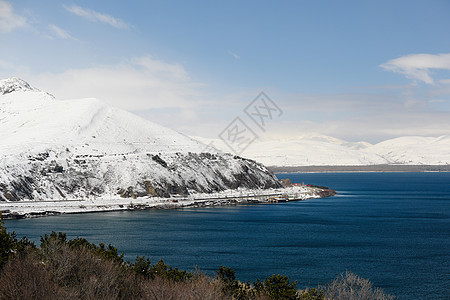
(320, 150)
(81, 149)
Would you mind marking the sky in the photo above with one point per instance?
(355, 70)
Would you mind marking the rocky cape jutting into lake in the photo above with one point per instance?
(82, 155)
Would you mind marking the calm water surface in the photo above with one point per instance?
(393, 228)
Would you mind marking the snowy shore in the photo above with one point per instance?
(29, 209)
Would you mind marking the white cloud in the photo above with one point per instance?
(8, 19)
(234, 55)
(164, 70)
(60, 33)
(95, 16)
(418, 66)
(140, 83)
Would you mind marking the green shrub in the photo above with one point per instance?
(278, 287)
(7, 242)
(142, 266)
(108, 253)
(173, 274)
(228, 278)
(235, 289)
(9, 245)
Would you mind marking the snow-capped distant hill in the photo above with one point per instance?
(415, 150)
(320, 150)
(76, 149)
(308, 150)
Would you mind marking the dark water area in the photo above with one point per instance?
(392, 228)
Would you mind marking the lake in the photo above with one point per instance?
(392, 228)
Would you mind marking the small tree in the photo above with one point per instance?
(142, 266)
(228, 278)
(7, 242)
(233, 287)
(9, 245)
(160, 269)
(278, 287)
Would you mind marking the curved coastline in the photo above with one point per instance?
(31, 209)
(361, 168)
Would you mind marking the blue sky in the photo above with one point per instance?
(357, 70)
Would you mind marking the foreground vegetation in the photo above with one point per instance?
(77, 269)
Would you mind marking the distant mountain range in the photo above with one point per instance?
(81, 149)
(321, 150)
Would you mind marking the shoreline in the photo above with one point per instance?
(32, 209)
(356, 169)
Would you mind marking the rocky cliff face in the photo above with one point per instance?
(82, 149)
(64, 176)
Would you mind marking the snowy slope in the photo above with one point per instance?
(307, 150)
(320, 150)
(76, 149)
(415, 150)
(36, 121)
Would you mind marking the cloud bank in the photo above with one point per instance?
(419, 66)
(140, 83)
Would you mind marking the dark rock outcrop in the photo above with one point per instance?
(139, 175)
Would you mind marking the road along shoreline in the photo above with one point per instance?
(31, 209)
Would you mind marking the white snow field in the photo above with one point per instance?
(33, 121)
(321, 150)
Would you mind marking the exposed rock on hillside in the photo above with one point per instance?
(78, 149)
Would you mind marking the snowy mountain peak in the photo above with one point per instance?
(14, 84)
(78, 149)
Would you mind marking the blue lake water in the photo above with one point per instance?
(393, 228)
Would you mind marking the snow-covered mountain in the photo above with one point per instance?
(77, 149)
(415, 150)
(321, 150)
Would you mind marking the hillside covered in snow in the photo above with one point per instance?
(320, 150)
(81, 149)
